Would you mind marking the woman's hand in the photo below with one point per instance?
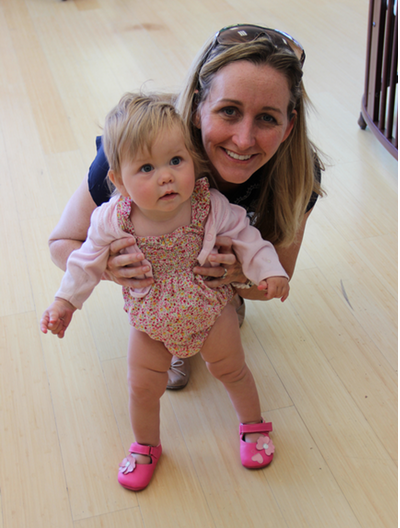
(125, 268)
(229, 269)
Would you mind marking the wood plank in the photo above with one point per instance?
(174, 487)
(212, 439)
(108, 322)
(131, 517)
(210, 428)
(47, 106)
(366, 205)
(380, 255)
(374, 306)
(365, 373)
(346, 440)
(34, 490)
(1, 513)
(89, 438)
(66, 171)
(301, 478)
(87, 5)
(85, 53)
(16, 297)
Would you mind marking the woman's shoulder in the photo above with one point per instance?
(99, 187)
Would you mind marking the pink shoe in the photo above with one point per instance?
(135, 476)
(256, 454)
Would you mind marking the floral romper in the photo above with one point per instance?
(180, 309)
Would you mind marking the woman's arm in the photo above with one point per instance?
(70, 233)
(288, 256)
(227, 260)
(71, 230)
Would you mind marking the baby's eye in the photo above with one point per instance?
(146, 168)
(176, 160)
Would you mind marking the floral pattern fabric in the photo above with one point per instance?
(180, 309)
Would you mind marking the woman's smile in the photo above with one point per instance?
(236, 156)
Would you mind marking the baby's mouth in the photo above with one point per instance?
(169, 195)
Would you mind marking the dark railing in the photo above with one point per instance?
(379, 103)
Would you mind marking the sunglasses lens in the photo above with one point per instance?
(238, 34)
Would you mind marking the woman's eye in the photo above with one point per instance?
(267, 118)
(175, 160)
(146, 168)
(229, 112)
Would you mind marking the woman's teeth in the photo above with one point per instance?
(237, 156)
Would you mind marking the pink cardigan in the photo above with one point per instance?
(87, 264)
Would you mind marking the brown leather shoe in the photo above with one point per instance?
(178, 373)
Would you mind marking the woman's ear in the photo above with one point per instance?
(290, 125)
(196, 110)
(196, 119)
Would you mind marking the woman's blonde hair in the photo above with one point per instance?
(135, 123)
(288, 178)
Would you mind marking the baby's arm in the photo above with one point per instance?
(258, 257)
(57, 317)
(275, 288)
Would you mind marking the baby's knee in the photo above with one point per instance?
(146, 388)
(227, 372)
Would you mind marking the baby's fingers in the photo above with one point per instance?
(283, 299)
(56, 324)
(44, 322)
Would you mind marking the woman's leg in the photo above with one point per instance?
(148, 363)
(224, 356)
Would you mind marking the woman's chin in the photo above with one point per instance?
(234, 171)
(234, 177)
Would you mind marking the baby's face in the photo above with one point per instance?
(161, 181)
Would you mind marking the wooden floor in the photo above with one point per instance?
(325, 362)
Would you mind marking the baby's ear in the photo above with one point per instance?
(111, 176)
(117, 182)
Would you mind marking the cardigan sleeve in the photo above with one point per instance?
(86, 265)
(258, 257)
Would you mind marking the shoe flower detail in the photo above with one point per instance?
(127, 465)
(263, 443)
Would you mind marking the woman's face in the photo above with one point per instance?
(243, 120)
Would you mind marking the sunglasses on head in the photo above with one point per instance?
(249, 32)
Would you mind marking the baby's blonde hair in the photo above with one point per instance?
(134, 125)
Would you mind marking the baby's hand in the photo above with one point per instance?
(276, 288)
(57, 317)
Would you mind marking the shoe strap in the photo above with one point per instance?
(175, 364)
(140, 449)
(264, 427)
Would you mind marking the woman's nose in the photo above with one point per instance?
(244, 136)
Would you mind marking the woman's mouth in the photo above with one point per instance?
(237, 156)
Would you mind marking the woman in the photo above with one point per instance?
(245, 101)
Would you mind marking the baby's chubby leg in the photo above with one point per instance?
(224, 357)
(148, 363)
